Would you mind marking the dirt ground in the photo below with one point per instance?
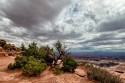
(15, 76)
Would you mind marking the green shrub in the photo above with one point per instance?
(57, 70)
(34, 50)
(84, 63)
(7, 47)
(2, 43)
(33, 67)
(69, 64)
(102, 76)
(20, 61)
(88, 66)
(11, 66)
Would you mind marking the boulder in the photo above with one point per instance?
(59, 62)
(61, 65)
(80, 72)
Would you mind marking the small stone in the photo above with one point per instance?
(6, 55)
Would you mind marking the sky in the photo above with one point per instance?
(83, 25)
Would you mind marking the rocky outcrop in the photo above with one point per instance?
(80, 72)
(7, 49)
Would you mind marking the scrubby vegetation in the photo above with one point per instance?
(11, 66)
(7, 46)
(69, 64)
(35, 59)
(81, 63)
(57, 70)
(33, 67)
(20, 61)
(2, 43)
(102, 76)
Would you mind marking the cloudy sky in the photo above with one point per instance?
(83, 25)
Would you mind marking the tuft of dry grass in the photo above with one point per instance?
(101, 75)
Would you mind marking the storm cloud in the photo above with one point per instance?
(28, 13)
(113, 25)
(80, 24)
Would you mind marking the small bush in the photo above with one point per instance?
(84, 63)
(33, 67)
(2, 43)
(11, 66)
(20, 61)
(102, 76)
(69, 64)
(57, 70)
(88, 66)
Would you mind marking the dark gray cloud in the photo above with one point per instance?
(55, 35)
(33, 15)
(28, 13)
(108, 42)
(113, 25)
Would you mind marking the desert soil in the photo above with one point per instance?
(15, 76)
